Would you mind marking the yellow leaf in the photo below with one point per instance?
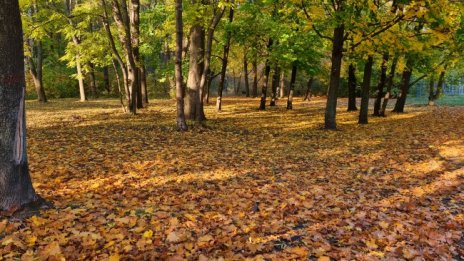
(148, 234)
(299, 251)
(323, 258)
(371, 244)
(114, 257)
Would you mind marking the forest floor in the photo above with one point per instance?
(263, 185)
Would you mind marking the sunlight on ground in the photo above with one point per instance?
(250, 184)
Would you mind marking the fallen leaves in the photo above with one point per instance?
(133, 188)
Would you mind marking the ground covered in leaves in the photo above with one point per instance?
(250, 184)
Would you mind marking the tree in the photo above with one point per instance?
(225, 60)
(34, 55)
(181, 124)
(16, 189)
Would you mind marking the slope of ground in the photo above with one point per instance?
(263, 185)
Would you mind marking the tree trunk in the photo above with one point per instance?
(363, 113)
(35, 69)
(332, 94)
(390, 82)
(308, 89)
(405, 82)
(435, 95)
(134, 20)
(76, 41)
(432, 90)
(275, 84)
(192, 97)
(255, 77)
(143, 83)
(121, 99)
(267, 72)
(116, 55)
(352, 82)
(106, 79)
(16, 189)
(80, 79)
(93, 84)
(292, 87)
(281, 91)
(180, 119)
(225, 61)
(121, 17)
(245, 72)
(381, 86)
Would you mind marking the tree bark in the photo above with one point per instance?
(134, 21)
(281, 91)
(35, 63)
(267, 72)
(435, 95)
(106, 79)
(116, 55)
(180, 118)
(16, 190)
(275, 84)
(245, 73)
(292, 87)
(381, 86)
(332, 94)
(121, 17)
(76, 41)
(255, 77)
(121, 99)
(192, 96)
(406, 79)
(143, 84)
(225, 61)
(352, 83)
(390, 81)
(363, 113)
(308, 89)
(92, 81)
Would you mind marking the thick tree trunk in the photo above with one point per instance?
(225, 61)
(405, 82)
(275, 85)
(390, 81)
(246, 75)
(308, 89)
(180, 118)
(352, 82)
(363, 113)
(292, 87)
(254, 90)
(16, 189)
(381, 86)
(332, 94)
(192, 97)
